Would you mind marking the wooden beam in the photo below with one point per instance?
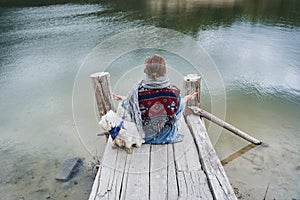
(216, 120)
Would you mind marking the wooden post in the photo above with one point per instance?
(224, 124)
(103, 94)
(191, 84)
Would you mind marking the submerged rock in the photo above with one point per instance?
(69, 169)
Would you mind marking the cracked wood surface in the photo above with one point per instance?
(173, 171)
(217, 178)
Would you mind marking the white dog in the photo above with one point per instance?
(123, 133)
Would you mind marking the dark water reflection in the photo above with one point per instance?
(255, 44)
(192, 16)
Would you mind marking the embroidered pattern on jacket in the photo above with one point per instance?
(158, 107)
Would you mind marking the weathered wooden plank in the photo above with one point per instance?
(193, 185)
(117, 181)
(201, 188)
(96, 184)
(125, 177)
(180, 158)
(189, 171)
(181, 148)
(107, 172)
(182, 185)
(172, 189)
(191, 152)
(217, 178)
(138, 174)
(123, 164)
(159, 172)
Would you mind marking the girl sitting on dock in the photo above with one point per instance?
(155, 105)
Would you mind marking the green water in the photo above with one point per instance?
(254, 44)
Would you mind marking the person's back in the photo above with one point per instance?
(155, 105)
(158, 109)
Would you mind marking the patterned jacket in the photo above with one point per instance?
(158, 107)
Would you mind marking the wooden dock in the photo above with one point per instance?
(186, 170)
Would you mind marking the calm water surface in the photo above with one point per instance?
(255, 44)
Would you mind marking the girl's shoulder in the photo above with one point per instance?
(174, 88)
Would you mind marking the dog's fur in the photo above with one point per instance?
(127, 137)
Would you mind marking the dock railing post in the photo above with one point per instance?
(103, 94)
(192, 84)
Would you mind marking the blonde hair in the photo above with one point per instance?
(155, 66)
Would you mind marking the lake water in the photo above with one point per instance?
(255, 46)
